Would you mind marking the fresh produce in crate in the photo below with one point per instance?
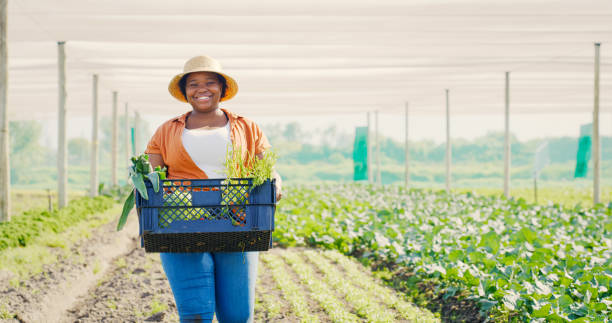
(139, 171)
(206, 215)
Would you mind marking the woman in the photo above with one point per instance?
(194, 145)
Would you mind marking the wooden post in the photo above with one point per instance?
(370, 159)
(407, 152)
(535, 189)
(62, 160)
(5, 172)
(596, 144)
(448, 145)
(507, 139)
(136, 132)
(127, 141)
(378, 175)
(95, 144)
(114, 142)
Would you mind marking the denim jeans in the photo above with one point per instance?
(205, 283)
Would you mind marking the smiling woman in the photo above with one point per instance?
(193, 146)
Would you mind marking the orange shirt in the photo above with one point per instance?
(167, 142)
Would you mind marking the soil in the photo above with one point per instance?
(45, 296)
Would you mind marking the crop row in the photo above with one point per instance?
(384, 295)
(343, 299)
(518, 261)
(290, 289)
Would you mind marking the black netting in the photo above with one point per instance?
(207, 241)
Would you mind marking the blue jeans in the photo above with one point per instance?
(205, 283)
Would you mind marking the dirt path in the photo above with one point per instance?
(46, 296)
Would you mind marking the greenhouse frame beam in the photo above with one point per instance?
(115, 129)
(507, 150)
(136, 135)
(95, 145)
(448, 144)
(127, 142)
(5, 173)
(596, 142)
(62, 160)
(370, 159)
(406, 150)
(378, 172)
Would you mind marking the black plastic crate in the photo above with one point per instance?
(207, 215)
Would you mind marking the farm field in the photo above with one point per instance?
(510, 259)
(459, 258)
(105, 276)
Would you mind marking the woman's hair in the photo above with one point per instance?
(183, 82)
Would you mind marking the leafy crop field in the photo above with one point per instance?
(462, 257)
(513, 260)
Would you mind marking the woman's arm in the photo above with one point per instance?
(279, 181)
(156, 160)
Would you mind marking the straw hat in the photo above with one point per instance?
(202, 64)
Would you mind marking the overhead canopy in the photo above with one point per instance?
(318, 56)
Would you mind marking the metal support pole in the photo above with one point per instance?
(136, 132)
(5, 173)
(407, 152)
(62, 146)
(596, 143)
(507, 139)
(127, 140)
(114, 142)
(448, 145)
(370, 159)
(378, 177)
(535, 189)
(95, 144)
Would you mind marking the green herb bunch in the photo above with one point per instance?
(139, 171)
(249, 166)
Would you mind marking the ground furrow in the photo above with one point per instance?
(362, 300)
(320, 291)
(290, 289)
(270, 306)
(385, 295)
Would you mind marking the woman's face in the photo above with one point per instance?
(203, 91)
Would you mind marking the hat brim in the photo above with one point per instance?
(175, 90)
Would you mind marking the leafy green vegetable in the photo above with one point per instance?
(127, 207)
(139, 171)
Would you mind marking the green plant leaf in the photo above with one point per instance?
(510, 300)
(542, 311)
(138, 180)
(154, 178)
(127, 207)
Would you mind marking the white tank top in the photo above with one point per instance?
(207, 148)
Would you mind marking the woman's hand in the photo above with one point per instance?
(279, 181)
(156, 160)
(279, 186)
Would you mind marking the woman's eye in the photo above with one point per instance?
(211, 83)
